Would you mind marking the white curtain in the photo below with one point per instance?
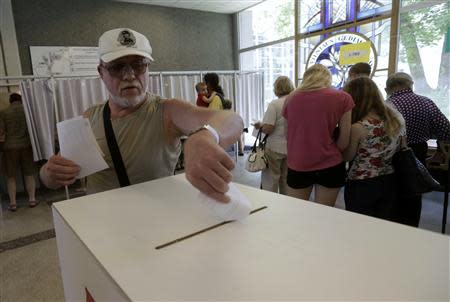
(226, 81)
(37, 98)
(181, 87)
(250, 99)
(154, 84)
(74, 96)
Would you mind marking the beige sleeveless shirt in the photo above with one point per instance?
(146, 152)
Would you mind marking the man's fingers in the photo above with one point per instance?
(226, 161)
(206, 188)
(59, 160)
(64, 177)
(215, 181)
(61, 170)
(55, 169)
(223, 173)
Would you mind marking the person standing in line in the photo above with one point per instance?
(375, 137)
(423, 121)
(360, 69)
(274, 178)
(314, 156)
(17, 150)
(215, 91)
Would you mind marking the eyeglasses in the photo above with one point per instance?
(119, 69)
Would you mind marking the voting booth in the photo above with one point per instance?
(157, 241)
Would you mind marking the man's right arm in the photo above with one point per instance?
(58, 172)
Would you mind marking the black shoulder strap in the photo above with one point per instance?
(114, 148)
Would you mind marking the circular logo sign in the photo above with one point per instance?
(327, 53)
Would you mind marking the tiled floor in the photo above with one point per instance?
(29, 269)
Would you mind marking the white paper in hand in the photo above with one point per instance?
(238, 208)
(77, 143)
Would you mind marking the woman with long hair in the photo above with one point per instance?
(314, 156)
(215, 91)
(375, 137)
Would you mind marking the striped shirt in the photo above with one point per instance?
(423, 118)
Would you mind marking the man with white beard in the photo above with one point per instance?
(142, 131)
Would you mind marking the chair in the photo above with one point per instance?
(439, 166)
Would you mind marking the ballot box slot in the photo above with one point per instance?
(204, 230)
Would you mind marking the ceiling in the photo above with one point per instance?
(217, 6)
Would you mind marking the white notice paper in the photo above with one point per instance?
(77, 143)
(238, 208)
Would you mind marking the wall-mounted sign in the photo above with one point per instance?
(354, 53)
(328, 53)
(55, 60)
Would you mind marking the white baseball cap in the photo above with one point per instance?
(121, 42)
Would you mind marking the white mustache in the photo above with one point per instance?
(132, 85)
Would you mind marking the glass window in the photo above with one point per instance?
(269, 21)
(328, 53)
(369, 8)
(339, 10)
(379, 33)
(274, 60)
(409, 2)
(310, 15)
(380, 78)
(305, 48)
(422, 52)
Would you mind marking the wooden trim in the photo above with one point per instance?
(393, 38)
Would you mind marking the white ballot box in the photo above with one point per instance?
(155, 241)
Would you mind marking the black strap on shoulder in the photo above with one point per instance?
(114, 148)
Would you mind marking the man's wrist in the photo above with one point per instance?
(210, 129)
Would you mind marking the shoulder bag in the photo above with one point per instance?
(412, 176)
(256, 160)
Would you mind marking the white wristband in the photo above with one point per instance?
(210, 129)
(214, 132)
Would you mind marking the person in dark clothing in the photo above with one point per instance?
(360, 69)
(18, 150)
(423, 121)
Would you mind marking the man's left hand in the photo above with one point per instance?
(207, 165)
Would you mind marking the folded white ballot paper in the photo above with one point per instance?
(77, 143)
(238, 208)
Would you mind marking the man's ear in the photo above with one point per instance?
(100, 71)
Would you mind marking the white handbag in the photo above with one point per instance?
(256, 160)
